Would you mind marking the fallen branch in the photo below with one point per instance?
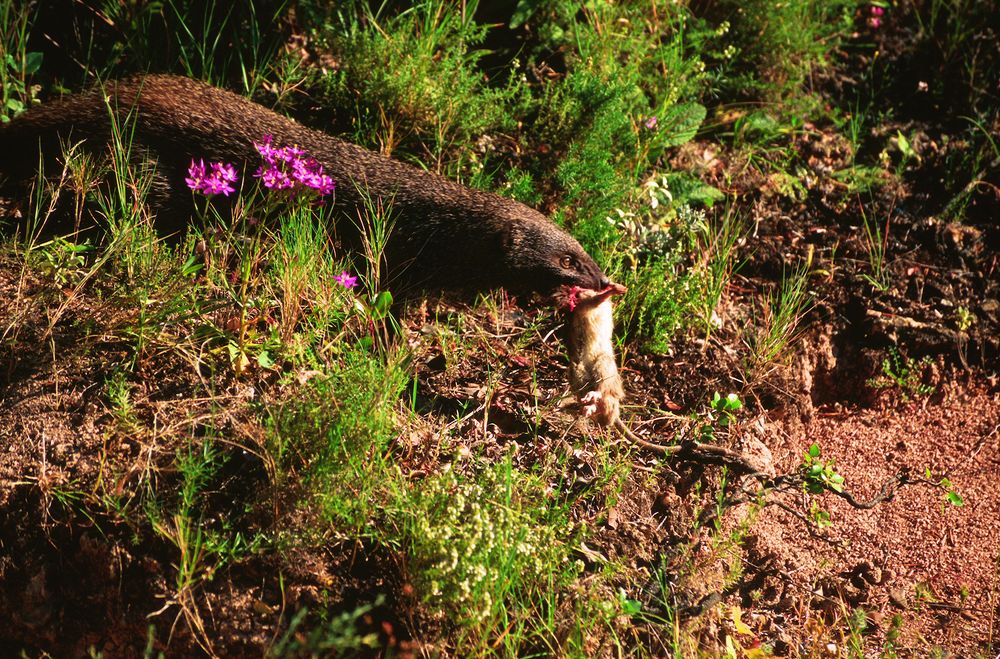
(692, 449)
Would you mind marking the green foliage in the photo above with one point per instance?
(819, 474)
(720, 415)
(590, 114)
(227, 44)
(780, 45)
(904, 375)
(667, 290)
(414, 74)
(486, 550)
(17, 63)
(216, 41)
(724, 409)
(857, 624)
(120, 399)
(338, 636)
(202, 546)
(628, 96)
(63, 261)
(718, 252)
(658, 303)
(781, 314)
(949, 492)
(876, 244)
(950, 495)
(336, 435)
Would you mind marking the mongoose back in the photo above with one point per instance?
(444, 235)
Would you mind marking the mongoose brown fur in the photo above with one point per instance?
(444, 235)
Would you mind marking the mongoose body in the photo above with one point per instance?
(443, 234)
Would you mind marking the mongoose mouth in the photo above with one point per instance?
(570, 297)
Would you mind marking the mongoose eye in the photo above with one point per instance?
(568, 262)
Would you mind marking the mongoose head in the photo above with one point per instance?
(546, 259)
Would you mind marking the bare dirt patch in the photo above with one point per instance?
(916, 555)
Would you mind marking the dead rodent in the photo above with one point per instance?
(593, 372)
(444, 235)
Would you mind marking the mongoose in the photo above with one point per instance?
(444, 235)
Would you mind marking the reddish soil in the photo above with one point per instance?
(915, 555)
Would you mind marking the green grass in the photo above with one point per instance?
(780, 319)
(411, 79)
(779, 47)
(19, 64)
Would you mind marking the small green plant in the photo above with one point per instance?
(903, 374)
(818, 474)
(964, 319)
(724, 408)
(338, 636)
(485, 549)
(720, 415)
(183, 529)
(876, 244)
(719, 263)
(781, 315)
(892, 634)
(336, 433)
(120, 398)
(949, 492)
(857, 624)
(653, 257)
(413, 73)
(819, 515)
(899, 150)
(64, 261)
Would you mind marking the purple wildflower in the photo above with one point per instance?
(274, 178)
(196, 174)
(875, 20)
(288, 168)
(214, 186)
(225, 172)
(217, 181)
(650, 123)
(346, 280)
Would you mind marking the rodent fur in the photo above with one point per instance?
(593, 372)
(444, 235)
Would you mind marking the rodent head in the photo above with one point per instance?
(545, 258)
(571, 297)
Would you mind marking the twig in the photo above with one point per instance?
(691, 449)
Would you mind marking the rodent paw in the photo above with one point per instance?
(590, 402)
(601, 407)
